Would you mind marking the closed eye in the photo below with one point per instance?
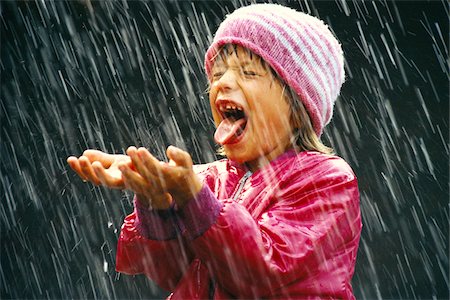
(250, 73)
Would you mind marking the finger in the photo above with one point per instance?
(151, 163)
(132, 154)
(105, 159)
(127, 182)
(133, 180)
(75, 165)
(180, 157)
(137, 163)
(130, 185)
(153, 167)
(107, 179)
(88, 171)
(99, 170)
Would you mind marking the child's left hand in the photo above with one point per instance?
(157, 183)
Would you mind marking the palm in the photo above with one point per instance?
(113, 172)
(100, 168)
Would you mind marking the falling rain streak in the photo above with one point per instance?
(106, 75)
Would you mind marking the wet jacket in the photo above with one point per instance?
(289, 230)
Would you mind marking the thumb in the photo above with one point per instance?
(180, 157)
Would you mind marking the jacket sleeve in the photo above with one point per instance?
(149, 244)
(312, 226)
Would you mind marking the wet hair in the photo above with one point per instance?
(304, 138)
(229, 49)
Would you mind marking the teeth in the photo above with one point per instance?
(228, 107)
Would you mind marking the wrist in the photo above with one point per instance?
(186, 196)
(199, 214)
(156, 203)
(143, 201)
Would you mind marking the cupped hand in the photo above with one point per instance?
(100, 168)
(158, 183)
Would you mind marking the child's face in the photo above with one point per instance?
(249, 108)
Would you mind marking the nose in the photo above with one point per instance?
(226, 82)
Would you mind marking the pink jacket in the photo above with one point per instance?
(289, 230)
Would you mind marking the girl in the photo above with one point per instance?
(279, 218)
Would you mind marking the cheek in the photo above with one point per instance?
(216, 117)
(271, 122)
(212, 93)
(214, 112)
(264, 114)
(212, 96)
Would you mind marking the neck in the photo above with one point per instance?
(263, 161)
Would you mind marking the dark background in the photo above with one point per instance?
(106, 75)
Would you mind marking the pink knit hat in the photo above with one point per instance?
(299, 47)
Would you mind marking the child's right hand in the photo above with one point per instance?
(100, 168)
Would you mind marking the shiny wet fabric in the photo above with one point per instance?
(290, 231)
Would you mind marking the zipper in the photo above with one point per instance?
(241, 184)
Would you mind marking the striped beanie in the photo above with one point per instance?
(299, 47)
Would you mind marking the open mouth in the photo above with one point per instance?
(233, 124)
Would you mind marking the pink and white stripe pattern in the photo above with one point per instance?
(299, 47)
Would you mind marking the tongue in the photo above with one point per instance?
(228, 129)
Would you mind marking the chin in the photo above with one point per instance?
(239, 157)
(234, 155)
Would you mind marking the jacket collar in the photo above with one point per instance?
(275, 162)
